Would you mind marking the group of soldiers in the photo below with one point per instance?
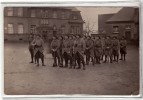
(70, 51)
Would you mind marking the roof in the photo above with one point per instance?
(126, 14)
(72, 8)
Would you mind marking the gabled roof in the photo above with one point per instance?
(126, 14)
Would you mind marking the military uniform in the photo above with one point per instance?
(89, 52)
(123, 51)
(115, 49)
(103, 49)
(38, 51)
(98, 50)
(31, 48)
(55, 47)
(108, 50)
(80, 49)
(66, 52)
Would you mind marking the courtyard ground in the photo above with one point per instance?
(23, 78)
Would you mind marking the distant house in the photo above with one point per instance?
(124, 23)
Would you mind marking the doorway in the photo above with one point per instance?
(128, 35)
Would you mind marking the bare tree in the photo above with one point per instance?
(89, 27)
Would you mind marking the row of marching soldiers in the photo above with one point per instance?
(69, 51)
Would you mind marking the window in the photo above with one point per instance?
(20, 29)
(128, 27)
(46, 14)
(54, 14)
(10, 11)
(10, 28)
(20, 11)
(115, 29)
(33, 13)
(74, 16)
(44, 21)
(63, 15)
(33, 29)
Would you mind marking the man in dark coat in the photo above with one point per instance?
(123, 51)
(55, 47)
(115, 48)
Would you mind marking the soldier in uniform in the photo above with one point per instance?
(108, 49)
(75, 43)
(89, 52)
(98, 49)
(38, 43)
(123, 51)
(115, 48)
(31, 47)
(80, 52)
(60, 51)
(55, 47)
(66, 51)
(103, 48)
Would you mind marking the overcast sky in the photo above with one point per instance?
(90, 14)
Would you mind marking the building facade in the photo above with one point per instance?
(124, 23)
(19, 22)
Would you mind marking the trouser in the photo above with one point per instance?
(123, 53)
(32, 54)
(115, 54)
(56, 56)
(80, 59)
(67, 57)
(108, 55)
(87, 53)
(39, 55)
(98, 53)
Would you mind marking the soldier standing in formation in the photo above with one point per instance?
(55, 47)
(89, 52)
(98, 49)
(108, 50)
(115, 48)
(66, 51)
(123, 51)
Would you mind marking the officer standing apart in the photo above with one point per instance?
(38, 43)
(31, 47)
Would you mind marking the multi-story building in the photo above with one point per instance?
(19, 22)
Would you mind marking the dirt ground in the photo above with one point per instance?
(23, 78)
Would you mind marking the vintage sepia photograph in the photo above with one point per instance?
(71, 50)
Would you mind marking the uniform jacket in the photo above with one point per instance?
(55, 44)
(66, 47)
(123, 43)
(116, 44)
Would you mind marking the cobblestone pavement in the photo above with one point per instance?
(23, 78)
